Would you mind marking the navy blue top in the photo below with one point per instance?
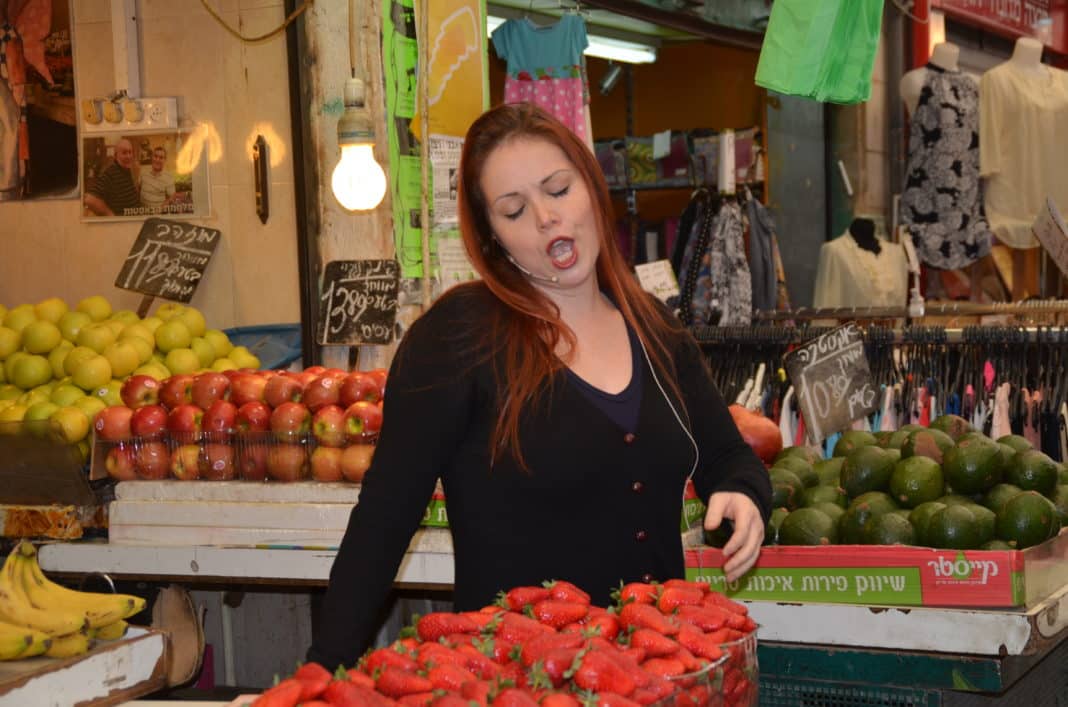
(622, 407)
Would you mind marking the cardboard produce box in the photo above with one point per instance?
(892, 575)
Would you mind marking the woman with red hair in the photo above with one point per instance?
(562, 407)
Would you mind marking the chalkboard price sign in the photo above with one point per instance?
(167, 259)
(833, 382)
(358, 304)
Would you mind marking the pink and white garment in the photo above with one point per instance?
(546, 68)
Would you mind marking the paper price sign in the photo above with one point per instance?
(833, 381)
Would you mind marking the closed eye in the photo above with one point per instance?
(560, 193)
(515, 214)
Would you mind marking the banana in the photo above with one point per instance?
(41, 643)
(16, 608)
(16, 641)
(70, 645)
(111, 631)
(99, 608)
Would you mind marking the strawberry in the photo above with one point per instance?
(661, 687)
(343, 693)
(557, 662)
(605, 625)
(514, 674)
(449, 677)
(315, 703)
(418, 699)
(439, 654)
(749, 625)
(450, 700)
(476, 691)
(718, 599)
(598, 672)
(664, 667)
(459, 639)
(689, 661)
(698, 643)
(719, 636)
(441, 623)
(405, 645)
(559, 699)
(674, 597)
(559, 613)
(655, 644)
(314, 678)
(703, 587)
(514, 697)
(395, 682)
(639, 592)
(538, 647)
(498, 649)
(733, 634)
(481, 619)
(284, 694)
(629, 663)
(645, 616)
(478, 663)
(611, 699)
(519, 597)
(635, 653)
(384, 657)
(566, 591)
(703, 617)
(358, 677)
(518, 628)
(643, 696)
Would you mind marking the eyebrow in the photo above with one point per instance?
(515, 193)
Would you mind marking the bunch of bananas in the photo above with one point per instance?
(40, 617)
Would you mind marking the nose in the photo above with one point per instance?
(544, 214)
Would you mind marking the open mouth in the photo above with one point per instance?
(562, 252)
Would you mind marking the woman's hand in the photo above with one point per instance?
(743, 548)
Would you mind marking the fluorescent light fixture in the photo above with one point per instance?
(602, 47)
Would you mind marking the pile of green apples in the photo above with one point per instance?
(66, 364)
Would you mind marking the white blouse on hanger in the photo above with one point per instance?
(850, 276)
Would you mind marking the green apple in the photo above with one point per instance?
(41, 336)
(9, 391)
(152, 323)
(75, 356)
(109, 392)
(66, 394)
(123, 358)
(138, 331)
(126, 316)
(19, 317)
(71, 323)
(51, 309)
(97, 307)
(143, 348)
(40, 413)
(194, 320)
(31, 371)
(173, 334)
(223, 364)
(204, 350)
(90, 405)
(73, 422)
(169, 310)
(91, 373)
(183, 360)
(57, 356)
(96, 336)
(243, 358)
(116, 326)
(10, 341)
(219, 341)
(9, 364)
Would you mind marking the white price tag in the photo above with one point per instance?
(658, 279)
(1051, 232)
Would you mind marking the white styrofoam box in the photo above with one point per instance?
(199, 491)
(220, 514)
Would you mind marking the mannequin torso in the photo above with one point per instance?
(1027, 55)
(944, 56)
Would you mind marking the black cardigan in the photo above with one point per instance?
(597, 506)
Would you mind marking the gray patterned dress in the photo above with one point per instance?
(942, 205)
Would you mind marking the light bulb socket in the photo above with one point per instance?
(355, 126)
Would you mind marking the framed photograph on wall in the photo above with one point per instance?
(134, 175)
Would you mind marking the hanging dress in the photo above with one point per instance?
(942, 206)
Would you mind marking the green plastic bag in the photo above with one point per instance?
(821, 49)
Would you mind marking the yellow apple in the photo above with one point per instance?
(140, 331)
(180, 361)
(9, 392)
(243, 358)
(10, 341)
(123, 358)
(169, 310)
(39, 414)
(126, 316)
(32, 397)
(71, 323)
(41, 336)
(152, 323)
(110, 392)
(219, 341)
(57, 356)
(157, 371)
(75, 356)
(173, 334)
(204, 350)
(11, 415)
(143, 348)
(9, 364)
(116, 326)
(19, 317)
(97, 336)
(51, 309)
(84, 450)
(73, 421)
(223, 364)
(194, 320)
(97, 307)
(91, 373)
(66, 394)
(31, 371)
(90, 405)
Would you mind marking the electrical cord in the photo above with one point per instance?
(905, 7)
(277, 30)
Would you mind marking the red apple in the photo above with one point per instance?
(220, 417)
(220, 462)
(113, 423)
(252, 461)
(209, 387)
(185, 420)
(176, 390)
(362, 418)
(121, 463)
(302, 377)
(378, 375)
(286, 462)
(139, 390)
(328, 426)
(335, 373)
(282, 389)
(355, 461)
(291, 418)
(185, 462)
(315, 370)
(322, 391)
(148, 421)
(326, 464)
(247, 388)
(357, 387)
(153, 460)
(253, 417)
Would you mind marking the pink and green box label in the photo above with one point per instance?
(862, 574)
(435, 515)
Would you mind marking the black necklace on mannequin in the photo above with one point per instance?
(863, 232)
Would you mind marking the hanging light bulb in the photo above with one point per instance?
(358, 181)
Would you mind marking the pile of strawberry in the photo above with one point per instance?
(549, 646)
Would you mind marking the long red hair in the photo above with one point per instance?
(528, 329)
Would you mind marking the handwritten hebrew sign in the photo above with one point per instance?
(168, 259)
(833, 381)
(358, 304)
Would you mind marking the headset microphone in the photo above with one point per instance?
(554, 279)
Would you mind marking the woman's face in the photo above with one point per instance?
(541, 212)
